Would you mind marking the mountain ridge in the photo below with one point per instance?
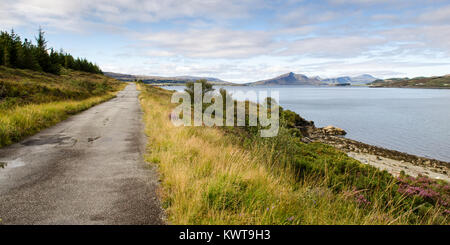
(355, 80)
(289, 78)
(162, 79)
(301, 79)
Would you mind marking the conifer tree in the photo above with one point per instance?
(17, 54)
(55, 67)
(4, 48)
(14, 48)
(42, 55)
(28, 59)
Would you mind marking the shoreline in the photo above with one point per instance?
(393, 161)
(386, 159)
(414, 87)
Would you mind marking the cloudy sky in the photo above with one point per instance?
(243, 41)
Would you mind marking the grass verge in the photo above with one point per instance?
(19, 122)
(31, 101)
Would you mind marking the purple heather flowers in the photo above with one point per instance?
(430, 190)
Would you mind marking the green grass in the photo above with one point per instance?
(229, 175)
(31, 101)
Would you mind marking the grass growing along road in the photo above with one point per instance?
(85, 170)
(212, 176)
(31, 101)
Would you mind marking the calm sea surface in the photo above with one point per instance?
(415, 121)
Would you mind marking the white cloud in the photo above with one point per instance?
(306, 16)
(119, 11)
(215, 43)
(441, 15)
(360, 1)
(422, 39)
(250, 40)
(345, 46)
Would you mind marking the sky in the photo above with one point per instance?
(244, 41)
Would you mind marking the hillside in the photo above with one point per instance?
(177, 80)
(32, 100)
(418, 82)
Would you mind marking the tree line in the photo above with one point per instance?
(24, 54)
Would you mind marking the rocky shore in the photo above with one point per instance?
(392, 161)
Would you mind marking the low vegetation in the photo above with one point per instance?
(418, 82)
(230, 175)
(31, 101)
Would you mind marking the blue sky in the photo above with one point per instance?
(243, 41)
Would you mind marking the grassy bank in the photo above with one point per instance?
(232, 176)
(418, 82)
(31, 101)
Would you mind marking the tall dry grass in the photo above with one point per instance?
(19, 122)
(31, 101)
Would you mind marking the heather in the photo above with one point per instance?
(425, 192)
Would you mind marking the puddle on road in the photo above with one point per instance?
(46, 140)
(58, 140)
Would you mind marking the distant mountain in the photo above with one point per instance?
(417, 82)
(337, 80)
(300, 79)
(164, 80)
(363, 79)
(289, 79)
(119, 76)
(357, 80)
(193, 78)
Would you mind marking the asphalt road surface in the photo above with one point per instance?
(88, 169)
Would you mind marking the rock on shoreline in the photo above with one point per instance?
(332, 130)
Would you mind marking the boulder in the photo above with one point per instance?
(331, 130)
